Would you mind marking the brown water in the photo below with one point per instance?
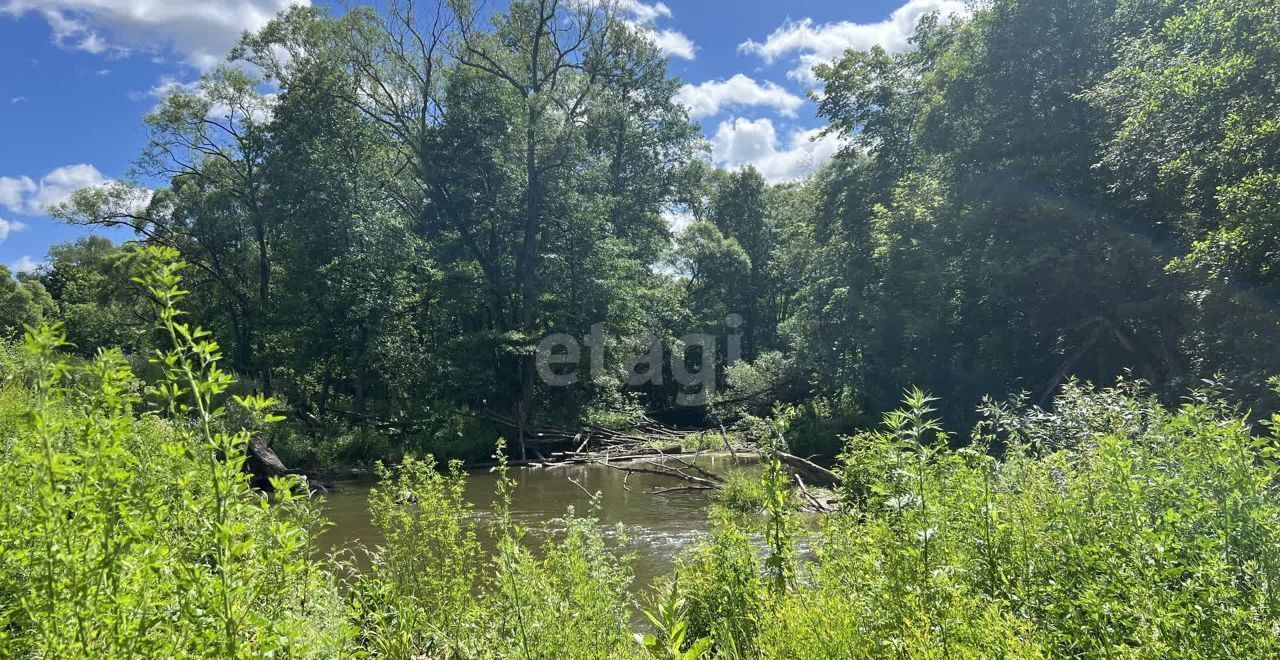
(655, 527)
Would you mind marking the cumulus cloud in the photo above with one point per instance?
(674, 44)
(201, 32)
(645, 13)
(24, 195)
(709, 98)
(9, 226)
(816, 43)
(13, 191)
(642, 16)
(739, 142)
(26, 264)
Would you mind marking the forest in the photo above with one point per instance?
(1025, 319)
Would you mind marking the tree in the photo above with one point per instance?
(96, 302)
(1195, 158)
(349, 262)
(24, 304)
(208, 144)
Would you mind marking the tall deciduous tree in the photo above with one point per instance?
(208, 144)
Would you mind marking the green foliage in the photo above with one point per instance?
(136, 535)
(1034, 192)
(97, 304)
(431, 592)
(672, 628)
(1154, 537)
(1110, 526)
(418, 596)
(23, 304)
(721, 581)
(743, 491)
(1025, 202)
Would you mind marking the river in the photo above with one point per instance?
(656, 526)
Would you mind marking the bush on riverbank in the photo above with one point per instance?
(1154, 535)
(1111, 526)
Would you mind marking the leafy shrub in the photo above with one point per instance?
(418, 595)
(724, 589)
(137, 535)
(432, 594)
(743, 491)
(1112, 527)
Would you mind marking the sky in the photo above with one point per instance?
(77, 76)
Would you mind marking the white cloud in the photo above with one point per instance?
(57, 186)
(166, 86)
(26, 264)
(9, 226)
(642, 16)
(201, 32)
(16, 100)
(824, 42)
(644, 13)
(674, 44)
(739, 142)
(13, 190)
(23, 195)
(709, 98)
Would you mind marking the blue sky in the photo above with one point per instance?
(78, 75)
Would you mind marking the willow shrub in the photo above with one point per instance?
(128, 526)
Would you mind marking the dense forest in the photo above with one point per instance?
(1053, 226)
(385, 222)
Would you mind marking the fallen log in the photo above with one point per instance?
(813, 501)
(814, 473)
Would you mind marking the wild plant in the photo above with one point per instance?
(671, 625)
(418, 598)
(133, 534)
(1143, 532)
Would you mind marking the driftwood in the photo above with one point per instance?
(590, 439)
(728, 445)
(814, 472)
(662, 465)
(616, 448)
(813, 501)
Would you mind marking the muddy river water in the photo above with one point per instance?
(655, 527)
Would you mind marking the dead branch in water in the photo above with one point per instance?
(817, 505)
(711, 482)
(661, 491)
